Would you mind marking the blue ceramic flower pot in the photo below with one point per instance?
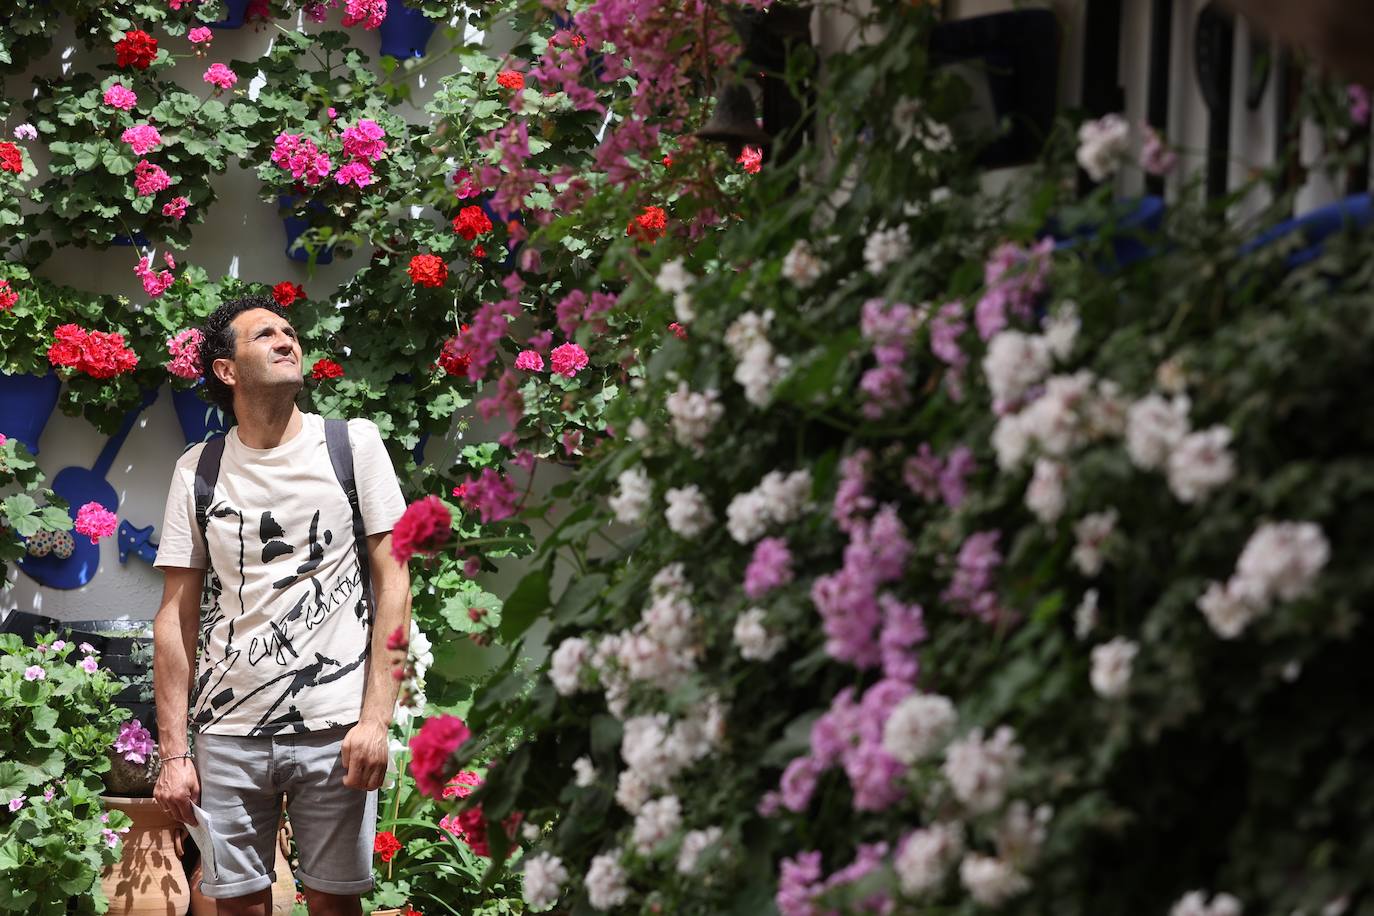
(200, 421)
(26, 403)
(1354, 212)
(295, 225)
(234, 12)
(1135, 221)
(405, 32)
(139, 239)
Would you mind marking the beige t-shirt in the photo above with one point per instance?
(284, 644)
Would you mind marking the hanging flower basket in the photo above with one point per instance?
(26, 403)
(405, 32)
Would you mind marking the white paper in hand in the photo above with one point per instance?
(202, 831)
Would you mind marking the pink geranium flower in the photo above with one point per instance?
(365, 140)
(568, 359)
(34, 673)
(220, 76)
(150, 179)
(529, 361)
(431, 748)
(142, 138)
(200, 36)
(176, 207)
(121, 97)
(95, 521)
(135, 742)
(424, 527)
(355, 173)
(185, 351)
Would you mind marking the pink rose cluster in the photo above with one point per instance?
(1013, 278)
(95, 521)
(185, 352)
(972, 588)
(933, 478)
(800, 881)
(577, 308)
(888, 328)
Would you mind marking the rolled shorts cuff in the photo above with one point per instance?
(238, 888)
(336, 887)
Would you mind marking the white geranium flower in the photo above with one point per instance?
(1227, 612)
(926, 856)
(1111, 670)
(1085, 616)
(607, 883)
(885, 247)
(694, 843)
(1154, 428)
(688, 514)
(694, 414)
(755, 641)
(1283, 559)
(565, 666)
(801, 266)
(978, 770)
(656, 821)
(543, 881)
(918, 727)
(1061, 330)
(673, 277)
(1201, 463)
(1014, 363)
(633, 496)
(1091, 532)
(1045, 494)
(991, 881)
(1103, 145)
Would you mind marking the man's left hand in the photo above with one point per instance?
(365, 756)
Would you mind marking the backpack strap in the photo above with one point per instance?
(341, 457)
(207, 473)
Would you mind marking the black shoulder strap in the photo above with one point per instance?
(341, 457)
(207, 473)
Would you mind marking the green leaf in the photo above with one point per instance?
(577, 597)
(522, 606)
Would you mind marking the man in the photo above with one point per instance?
(293, 692)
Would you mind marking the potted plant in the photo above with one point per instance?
(31, 510)
(16, 169)
(330, 161)
(143, 173)
(57, 721)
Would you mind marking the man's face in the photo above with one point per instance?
(267, 355)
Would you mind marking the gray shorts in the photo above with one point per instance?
(242, 781)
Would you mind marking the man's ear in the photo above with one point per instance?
(224, 371)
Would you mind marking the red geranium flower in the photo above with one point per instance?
(428, 270)
(287, 292)
(98, 354)
(649, 225)
(136, 49)
(667, 162)
(752, 159)
(8, 297)
(471, 222)
(454, 358)
(11, 158)
(386, 845)
(478, 251)
(326, 368)
(511, 79)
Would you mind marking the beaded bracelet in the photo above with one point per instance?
(174, 757)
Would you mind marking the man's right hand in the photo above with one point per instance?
(178, 788)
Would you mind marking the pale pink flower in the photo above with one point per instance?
(34, 673)
(1156, 157)
(90, 665)
(185, 351)
(200, 35)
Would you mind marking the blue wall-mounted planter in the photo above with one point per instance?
(1136, 221)
(139, 239)
(234, 13)
(405, 32)
(295, 225)
(26, 403)
(1354, 212)
(200, 421)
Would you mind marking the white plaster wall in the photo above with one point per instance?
(241, 236)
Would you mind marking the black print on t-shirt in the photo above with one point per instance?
(277, 648)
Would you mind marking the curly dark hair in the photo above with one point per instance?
(219, 342)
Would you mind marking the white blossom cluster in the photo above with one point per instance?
(694, 843)
(801, 266)
(634, 493)
(1195, 903)
(756, 642)
(1111, 667)
(543, 881)
(1091, 533)
(1158, 436)
(758, 367)
(658, 820)
(1280, 562)
(688, 513)
(607, 883)
(1103, 145)
(1016, 362)
(779, 499)
(979, 769)
(885, 247)
(694, 415)
(926, 856)
(1071, 411)
(918, 727)
(674, 279)
(909, 118)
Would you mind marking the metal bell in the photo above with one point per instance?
(732, 122)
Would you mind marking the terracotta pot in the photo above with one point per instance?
(283, 890)
(148, 878)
